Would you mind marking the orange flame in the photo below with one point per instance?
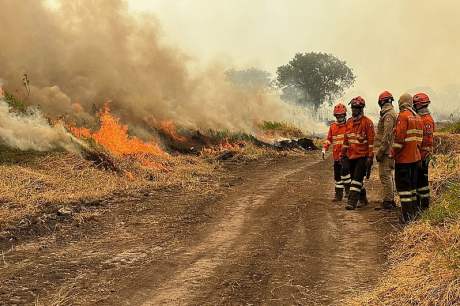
(114, 137)
(169, 128)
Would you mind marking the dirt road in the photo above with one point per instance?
(265, 236)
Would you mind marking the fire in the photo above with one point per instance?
(80, 132)
(223, 146)
(169, 128)
(114, 137)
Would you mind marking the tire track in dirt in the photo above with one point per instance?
(265, 236)
(205, 257)
(282, 243)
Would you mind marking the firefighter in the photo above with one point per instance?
(421, 102)
(358, 147)
(335, 138)
(383, 144)
(406, 152)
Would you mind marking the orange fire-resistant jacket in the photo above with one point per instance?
(428, 131)
(335, 137)
(359, 138)
(408, 136)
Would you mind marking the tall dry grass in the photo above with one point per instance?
(424, 263)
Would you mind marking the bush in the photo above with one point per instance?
(281, 129)
(453, 127)
(15, 103)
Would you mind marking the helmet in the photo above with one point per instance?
(421, 100)
(358, 102)
(385, 96)
(340, 109)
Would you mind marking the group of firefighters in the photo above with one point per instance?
(402, 146)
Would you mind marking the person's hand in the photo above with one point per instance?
(323, 153)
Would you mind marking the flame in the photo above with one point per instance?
(114, 137)
(80, 132)
(169, 128)
(224, 145)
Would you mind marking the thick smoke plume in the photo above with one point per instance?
(84, 52)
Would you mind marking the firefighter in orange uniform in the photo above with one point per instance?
(406, 152)
(359, 149)
(335, 137)
(421, 102)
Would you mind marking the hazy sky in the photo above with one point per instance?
(395, 45)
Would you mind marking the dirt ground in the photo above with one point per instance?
(267, 235)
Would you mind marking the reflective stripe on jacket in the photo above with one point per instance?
(408, 136)
(335, 137)
(428, 131)
(359, 138)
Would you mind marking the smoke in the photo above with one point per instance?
(83, 52)
(32, 131)
(391, 45)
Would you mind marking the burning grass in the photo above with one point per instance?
(425, 260)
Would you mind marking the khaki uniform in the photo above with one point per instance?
(383, 144)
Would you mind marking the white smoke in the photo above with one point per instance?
(32, 131)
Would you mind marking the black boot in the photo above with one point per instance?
(388, 205)
(409, 212)
(424, 203)
(352, 200)
(363, 198)
(338, 195)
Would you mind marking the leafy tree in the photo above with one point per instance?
(251, 78)
(314, 78)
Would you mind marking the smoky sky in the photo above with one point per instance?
(395, 45)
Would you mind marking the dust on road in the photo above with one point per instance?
(269, 235)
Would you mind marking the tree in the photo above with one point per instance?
(251, 78)
(314, 78)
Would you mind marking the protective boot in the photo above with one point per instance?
(363, 198)
(408, 212)
(353, 198)
(338, 195)
(388, 205)
(424, 204)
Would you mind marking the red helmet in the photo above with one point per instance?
(421, 99)
(386, 95)
(358, 102)
(340, 109)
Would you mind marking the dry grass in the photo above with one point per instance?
(425, 260)
(29, 185)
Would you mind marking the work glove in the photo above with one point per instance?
(323, 153)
